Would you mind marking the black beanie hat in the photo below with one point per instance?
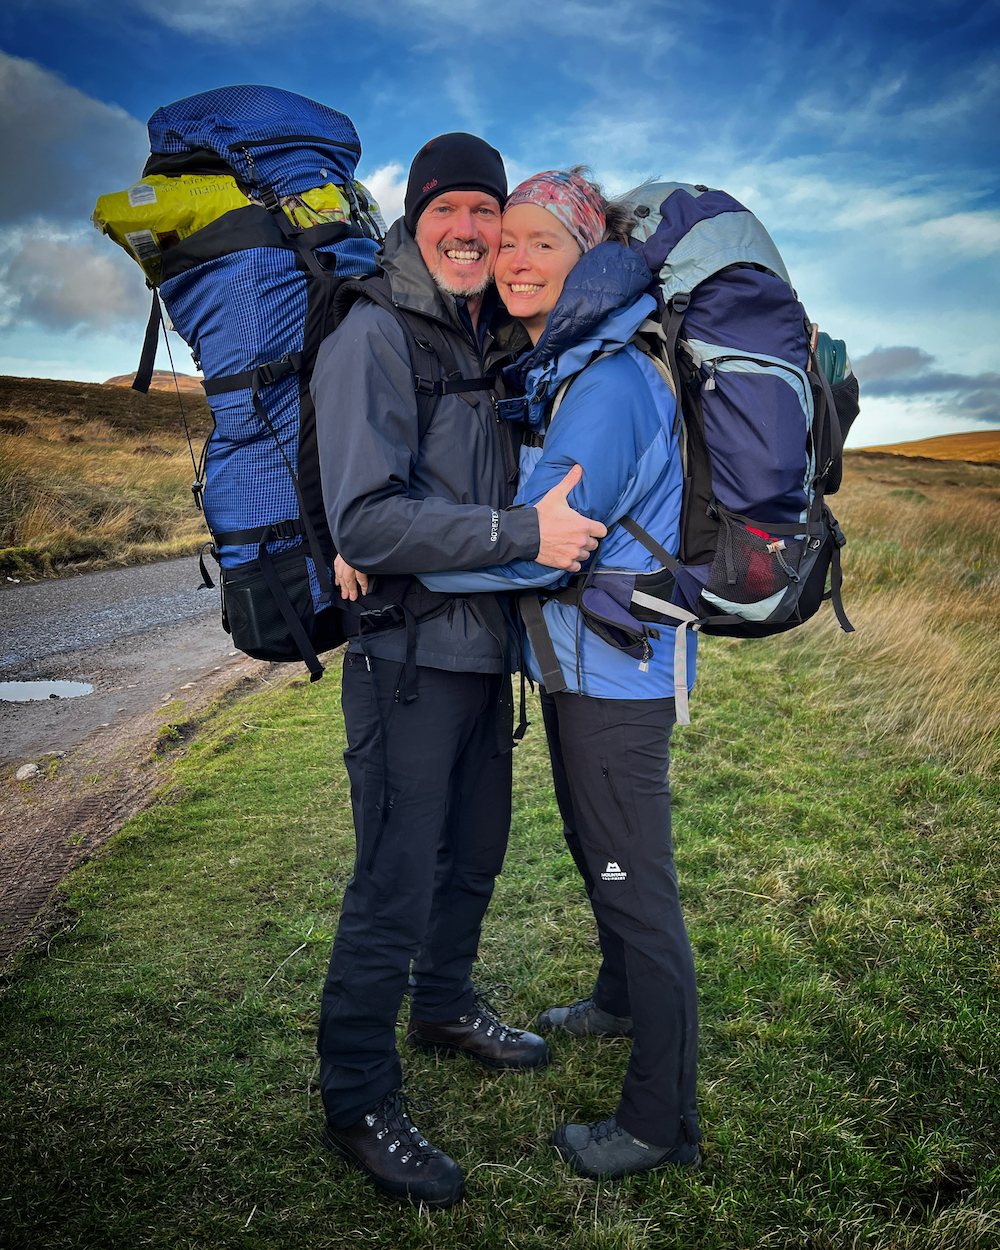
(455, 162)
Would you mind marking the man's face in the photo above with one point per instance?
(458, 234)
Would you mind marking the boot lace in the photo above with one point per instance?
(396, 1128)
(604, 1130)
(486, 1015)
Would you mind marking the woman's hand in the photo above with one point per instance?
(349, 580)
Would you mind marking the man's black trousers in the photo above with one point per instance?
(610, 763)
(423, 877)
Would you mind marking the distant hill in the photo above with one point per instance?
(980, 447)
(22, 400)
(163, 380)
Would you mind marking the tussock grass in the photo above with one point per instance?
(922, 587)
(159, 1085)
(88, 480)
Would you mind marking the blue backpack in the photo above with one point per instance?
(252, 295)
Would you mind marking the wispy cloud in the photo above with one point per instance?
(388, 186)
(628, 23)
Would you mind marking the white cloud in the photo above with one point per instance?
(64, 282)
(894, 421)
(388, 185)
(630, 24)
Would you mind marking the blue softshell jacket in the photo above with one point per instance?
(616, 421)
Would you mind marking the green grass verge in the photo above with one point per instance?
(158, 1085)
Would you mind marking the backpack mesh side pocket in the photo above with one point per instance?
(749, 565)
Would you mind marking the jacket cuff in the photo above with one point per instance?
(519, 534)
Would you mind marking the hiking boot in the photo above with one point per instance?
(483, 1037)
(584, 1017)
(605, 1149)
(387, 1146)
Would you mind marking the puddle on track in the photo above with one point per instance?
(29, 691)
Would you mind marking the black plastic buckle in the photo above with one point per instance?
(376, 619)
(423, 386)
(273, 370)
(282, 530)
(268, 198)
(679, 302)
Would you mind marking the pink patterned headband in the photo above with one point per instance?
(568, 197)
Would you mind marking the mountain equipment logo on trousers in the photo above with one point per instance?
(613, 872)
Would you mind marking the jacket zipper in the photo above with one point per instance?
(504, 438)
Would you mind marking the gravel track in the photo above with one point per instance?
(42, 619)
(146, 639)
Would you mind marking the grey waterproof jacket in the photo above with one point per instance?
(401, 503)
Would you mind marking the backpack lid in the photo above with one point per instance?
(269, 137)
(688, 232)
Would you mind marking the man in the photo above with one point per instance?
(415, 484)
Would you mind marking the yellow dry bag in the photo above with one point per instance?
(157, 212)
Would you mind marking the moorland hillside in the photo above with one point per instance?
(979, 446)
(94, 475)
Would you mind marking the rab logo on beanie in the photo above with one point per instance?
(428, 186)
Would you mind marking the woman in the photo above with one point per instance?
(566, 272)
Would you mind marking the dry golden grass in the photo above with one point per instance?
(90, 479)
(922, 587)
(979, 445)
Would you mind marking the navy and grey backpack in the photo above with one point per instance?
(252, 295)
(763, 421)
(764, 402)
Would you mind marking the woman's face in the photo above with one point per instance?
(536, 254)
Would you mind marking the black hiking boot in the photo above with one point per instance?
(387, 1146)
(605, 1149)
(584, 1017)
(482, 1036)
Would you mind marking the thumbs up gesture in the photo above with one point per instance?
(565, 536)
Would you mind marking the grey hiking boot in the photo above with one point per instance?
(582, 1018)
(605, 1149)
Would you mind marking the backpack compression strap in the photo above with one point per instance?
(254, 379)
(664, 607)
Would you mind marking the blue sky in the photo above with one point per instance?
(865, 136)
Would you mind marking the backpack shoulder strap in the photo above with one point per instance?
(538, 439)
(435, 370)
(651, 340)
(423, 359)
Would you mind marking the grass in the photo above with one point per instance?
(922, 585)
(92, 476)
(982, 445)
(159, 1082)
(837, 814)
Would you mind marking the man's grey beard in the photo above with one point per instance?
(458, 291)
